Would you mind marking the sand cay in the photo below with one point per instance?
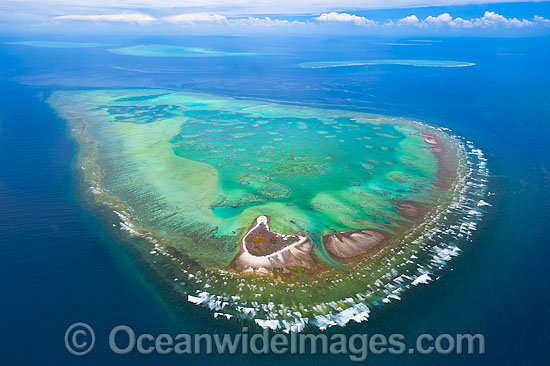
(289, 251)
(349, 244)
(265, 252)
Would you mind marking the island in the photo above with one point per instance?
(287, 215)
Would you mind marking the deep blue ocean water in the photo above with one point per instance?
(59, 265)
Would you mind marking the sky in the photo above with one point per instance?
(454, 17)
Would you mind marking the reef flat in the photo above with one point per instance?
(418, 63)
(155, 50)
(283, 214)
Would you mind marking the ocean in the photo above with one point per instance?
(60, 265)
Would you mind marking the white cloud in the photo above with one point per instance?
(265, 22)
(488, 20)
(492, 19)
(138, 18)
(445, 18)
(541, 20)
(410, 20)
(188, 19)
(345, 18)
(195, 18)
